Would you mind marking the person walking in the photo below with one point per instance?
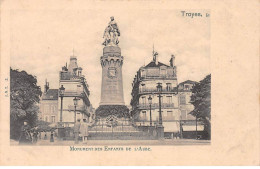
(52, 136)
(45, 135)
(35, 135)
(76, 131)
(40, 134)
(84, 130)
(25, 136)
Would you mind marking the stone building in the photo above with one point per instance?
(184, 90)
(76, 86)
(49, 105)
(145, 85)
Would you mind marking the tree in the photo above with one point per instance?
(24, 96)
(201, 100)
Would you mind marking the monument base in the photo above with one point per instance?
(116, 110)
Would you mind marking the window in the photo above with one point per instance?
(143, 73)
(169, 86)
(142, 87)
(46, 109)
(163, 72)
(53, 119)
(52, 109)
(183, 99)
(169, 99)
(183, 115)
(143, 100)
(144, 115)
(46, 118)
(169, 114)
(186, 87)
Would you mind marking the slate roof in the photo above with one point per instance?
(51, 94)
(188, 81)
(152, 64)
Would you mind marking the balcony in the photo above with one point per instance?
(72, 94)
(158, 77)
(154, 90)
(156, 106)
(78, 108)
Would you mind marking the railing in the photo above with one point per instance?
(65, 124)
(75, 93)
(158, 77)
(156, 105)
(72, 93)
(78, 108)
(154, 90)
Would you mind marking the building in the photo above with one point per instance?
(76, 87)
(145, 86)
(49, 105)
(184, 90)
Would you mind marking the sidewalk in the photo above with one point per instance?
(165, 142)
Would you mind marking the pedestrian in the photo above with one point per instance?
(35, 135)
(52, 137)
(84, 130)
(40, 134)
(76, 131)
(25, 136)
(45, 135)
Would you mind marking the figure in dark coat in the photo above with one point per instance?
(52, 138)
(45, 135)
(35, 135)
(25, 137)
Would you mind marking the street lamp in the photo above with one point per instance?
(150, 103)
(159, 90)
(62, 90)
(75, 100)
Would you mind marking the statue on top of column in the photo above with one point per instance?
(111, 33)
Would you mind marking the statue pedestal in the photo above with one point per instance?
(112, 81)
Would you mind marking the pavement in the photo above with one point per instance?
(164, 142)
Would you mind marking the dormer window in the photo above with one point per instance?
(163, 71)
(186, 87)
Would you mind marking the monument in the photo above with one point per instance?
(111, 62)
(112, 107)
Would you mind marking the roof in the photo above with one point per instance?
(152, 64)
(188, 81)
(51, 94)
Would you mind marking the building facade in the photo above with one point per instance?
(145, 86)
(184, 91)
(49, 105)
(76, 86)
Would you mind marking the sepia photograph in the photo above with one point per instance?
(110, 80)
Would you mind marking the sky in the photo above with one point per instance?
(42, 41)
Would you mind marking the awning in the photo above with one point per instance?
(193, 128)
(171, 126)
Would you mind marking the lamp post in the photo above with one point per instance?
(196, 125)
(159, 90)
(160, 128)
(60, 127)
(150, 103)
(75, 100)
(62, 90)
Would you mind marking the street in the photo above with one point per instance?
(165, 142)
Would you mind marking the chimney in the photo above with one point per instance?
(156, 58)
(172, 61)
(46, 86)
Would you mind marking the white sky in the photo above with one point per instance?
(42, 42)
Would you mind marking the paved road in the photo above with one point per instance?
(164, 142)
